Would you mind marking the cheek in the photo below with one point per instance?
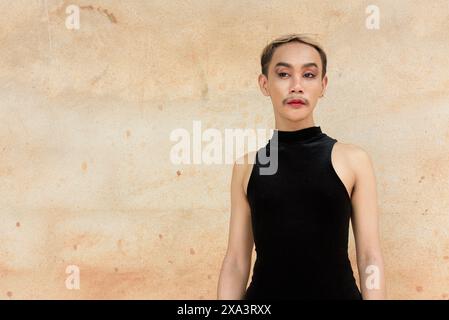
(276, 89)
(281, 87)
(313, 87)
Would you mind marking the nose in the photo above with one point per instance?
(296, 85)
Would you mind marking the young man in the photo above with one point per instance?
(298, 217)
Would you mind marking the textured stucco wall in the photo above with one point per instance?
(85, 119)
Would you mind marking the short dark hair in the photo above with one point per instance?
(268, 51)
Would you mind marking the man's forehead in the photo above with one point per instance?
(293, 55)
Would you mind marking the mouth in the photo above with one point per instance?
(296, 102)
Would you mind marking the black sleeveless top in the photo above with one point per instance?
(300, 218)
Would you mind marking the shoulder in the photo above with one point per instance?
(243, 162)
(357, 157)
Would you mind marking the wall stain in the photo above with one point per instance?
(84, 166)
(108, 14)
(98, 77)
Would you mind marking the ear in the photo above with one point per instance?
(324, 85)
(263, 84)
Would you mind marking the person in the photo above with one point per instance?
(298, 217)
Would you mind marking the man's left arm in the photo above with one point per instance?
(365, 225)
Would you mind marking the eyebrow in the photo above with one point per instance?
(288, 65)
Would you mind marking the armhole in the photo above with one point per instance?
(335, 174)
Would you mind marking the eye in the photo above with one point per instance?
(282, 73)
(310, 73)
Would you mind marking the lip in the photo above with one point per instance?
(296, 100)
(296, 103)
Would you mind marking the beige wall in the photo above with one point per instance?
(85, 119)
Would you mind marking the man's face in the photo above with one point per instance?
(294, 73)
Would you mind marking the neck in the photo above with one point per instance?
(287, 125)
(302, 135)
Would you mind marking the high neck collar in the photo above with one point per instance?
(300, 135)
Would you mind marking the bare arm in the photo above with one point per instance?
(236, 264)
(365, 225)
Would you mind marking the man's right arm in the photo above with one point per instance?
(236, 264)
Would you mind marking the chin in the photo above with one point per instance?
(295, 115)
